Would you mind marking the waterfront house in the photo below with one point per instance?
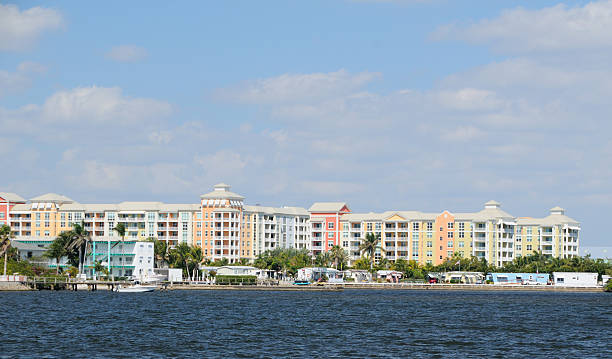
(575, 279)
(389, 275)
(315, 274)
(460, 277)
(519, 278)
(358, 275)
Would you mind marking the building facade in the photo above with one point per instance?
(225, 228)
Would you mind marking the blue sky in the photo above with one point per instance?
(405, 104)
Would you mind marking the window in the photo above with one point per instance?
(345, 226)
(429, 235)
(461, 234)
(450, 244)
(330, 225)
(199, 233)
(449, 253)
(529, 247)
(47, 233)
(38, 216)
(46, 216)
(151, 216)
(441, 229)
(429, 226)
(450, 225)
(199, 225)
(185, 216)
(185, 226)
(330, 235)
(529, 238)
(369, 227)
(429, 244)
(415, 226)
(37, 233)
(461, 226)
(518, 247)
(330, 243)
(461, 244)
(47, 224)
(377, 226)
(449, 234)
(429, 253)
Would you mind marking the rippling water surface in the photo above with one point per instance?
(348, 324)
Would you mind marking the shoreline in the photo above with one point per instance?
(19, 287)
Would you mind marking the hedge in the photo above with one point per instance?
(236, 279)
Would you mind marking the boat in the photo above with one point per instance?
(136, 288)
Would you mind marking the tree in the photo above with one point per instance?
(362, 263)
(5, 242)
(79, 240)
(368, 245)
(339, 256)
(196, 257)
(120, 229)
(324, 259)
(57, 249)
(161, 250)
(181, 257)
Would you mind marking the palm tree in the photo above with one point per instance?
(196, 258)
(57, 249)
(79, 239)
(338, 255)
(161, 251)
(181, 254)
(120, 229)
(5, 242)
(369, 245)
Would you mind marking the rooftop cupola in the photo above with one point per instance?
(222, 187)
(492, 205)
(557, 210)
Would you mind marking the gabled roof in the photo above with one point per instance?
(327, 207)
(11, 197)
(52, 197)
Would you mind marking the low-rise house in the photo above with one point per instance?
(461, 277)
(358, 275)
(575, 279)
(519, 278)
(315, 274)
(389, 275)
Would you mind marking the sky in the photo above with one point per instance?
(384, 104)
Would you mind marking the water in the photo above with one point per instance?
(348, 324)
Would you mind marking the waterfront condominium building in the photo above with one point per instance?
(225, 228)
(45, 217)
(325, 225)
(7, 202)
(269, 228)
(491, 233)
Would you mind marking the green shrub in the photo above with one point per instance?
(455, 281)
(236, 279)
(608, 286)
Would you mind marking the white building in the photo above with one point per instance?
(575, 279)
(270, 228)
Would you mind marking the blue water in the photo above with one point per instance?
(348, 324)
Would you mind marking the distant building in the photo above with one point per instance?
(575, 279)
(519, 278)
(225, 228)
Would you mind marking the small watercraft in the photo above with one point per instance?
(136, 288)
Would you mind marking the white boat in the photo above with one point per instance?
(136, 288)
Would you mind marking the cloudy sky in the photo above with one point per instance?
(405, 104)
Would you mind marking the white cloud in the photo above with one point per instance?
(15, 82)
(102, 105)
(297, 88)
(556, 28)
(331, 188)
(19, 30)
(223, 163)
(127, 53)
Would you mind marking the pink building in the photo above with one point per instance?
(325, 223)
(7, 201)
